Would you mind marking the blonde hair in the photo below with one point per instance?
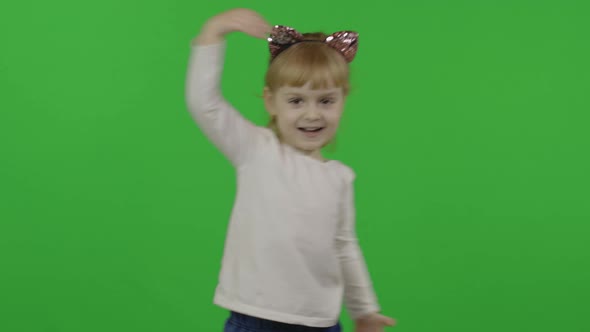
(304, 62)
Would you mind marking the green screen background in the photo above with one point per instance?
(467, 127)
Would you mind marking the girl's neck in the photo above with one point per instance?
(315, 155)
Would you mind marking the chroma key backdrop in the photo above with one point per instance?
(467, 126)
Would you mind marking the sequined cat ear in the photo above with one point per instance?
(281, 37)
(346, 42)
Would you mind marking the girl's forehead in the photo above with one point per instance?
(306, 89)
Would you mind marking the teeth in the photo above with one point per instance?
(311, 129)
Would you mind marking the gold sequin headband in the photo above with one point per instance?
(281, 37)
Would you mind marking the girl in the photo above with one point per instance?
(291, 253)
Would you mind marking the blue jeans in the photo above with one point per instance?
(238, 322)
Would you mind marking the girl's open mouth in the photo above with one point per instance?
(311, 132)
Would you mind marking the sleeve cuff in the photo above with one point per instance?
(195, 44)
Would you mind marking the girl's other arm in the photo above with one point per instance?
(225, 127)
(359, 296)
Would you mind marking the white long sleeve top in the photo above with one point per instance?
(291, 252)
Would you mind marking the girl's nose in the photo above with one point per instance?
(311, 113)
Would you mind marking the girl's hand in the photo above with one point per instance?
(373, 323)
(239, 19)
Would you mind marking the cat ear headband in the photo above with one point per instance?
(281, 37)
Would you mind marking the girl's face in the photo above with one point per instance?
(300, 112)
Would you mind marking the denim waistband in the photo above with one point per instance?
(266, 325)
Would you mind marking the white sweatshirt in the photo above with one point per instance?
(291, 253)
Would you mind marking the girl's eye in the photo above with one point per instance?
(298, 101)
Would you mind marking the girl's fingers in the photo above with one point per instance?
(252, 24)
(264, 31)
(260, 30)
(259, 25)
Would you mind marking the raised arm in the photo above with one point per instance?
(359, 296)
(226, 128)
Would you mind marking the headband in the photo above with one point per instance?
(281, 37)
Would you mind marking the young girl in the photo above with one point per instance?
(291, 253)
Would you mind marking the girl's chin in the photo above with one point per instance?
(310, 146)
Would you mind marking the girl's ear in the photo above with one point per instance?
(268, 103)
